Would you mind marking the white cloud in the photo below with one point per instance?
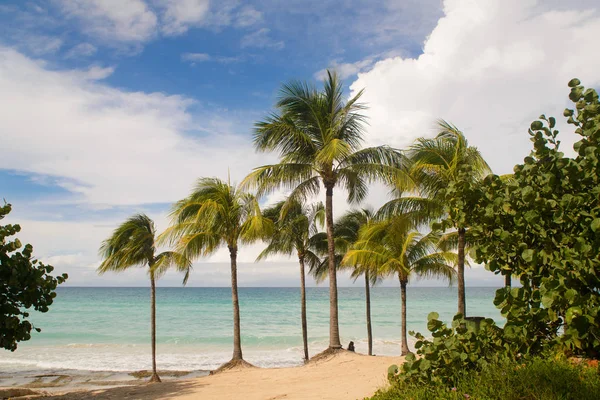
(179, 15)
(109, 146)
(40, 45)
(81, 50)
(345, 70)
(261, 39)
(195, 57)
(113, 20)
(490, 67)
(248, 16)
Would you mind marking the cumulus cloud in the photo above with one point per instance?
(490, 67)
(261, 39)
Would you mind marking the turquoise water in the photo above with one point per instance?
(102, 329)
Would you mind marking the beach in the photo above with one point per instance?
(97, 338)
(345, 375)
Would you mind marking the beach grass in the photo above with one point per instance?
(539, 379)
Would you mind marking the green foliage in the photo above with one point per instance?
(452, 351)
(133, 243)
(216, 213)
(24, 283)
(391, 247)
(542, 226)
(318, 136)
(295, 227)
(535, 379)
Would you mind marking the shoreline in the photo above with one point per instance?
(344, 375)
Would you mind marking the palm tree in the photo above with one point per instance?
(391, 247)
(133, 243)
(435, 163)
(318, 136)
(294, 231)
(346, 231)
(217, 213)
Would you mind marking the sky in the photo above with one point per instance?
(110, 108)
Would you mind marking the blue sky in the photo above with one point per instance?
(111, 107)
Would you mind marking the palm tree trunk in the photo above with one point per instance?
(462, 302)
(403, 283)
(507, 280)
(303, 301)
(334, 330)
(368, 299)
(237, 340)
(155, 377)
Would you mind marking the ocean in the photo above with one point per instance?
(108, 329)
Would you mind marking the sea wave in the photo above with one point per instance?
(134, 357)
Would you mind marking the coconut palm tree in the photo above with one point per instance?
(318, 136)
(391, 247)
(435, 163)
(132, 244)
(217, 214)
(294, 231)
(346, 231)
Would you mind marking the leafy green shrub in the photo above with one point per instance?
(536, 379)
(542, 226)
(452, 351)
(25, 283)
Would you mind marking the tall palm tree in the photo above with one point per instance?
(346, 231)
(294, 231)
(217, 213)
(318, 136)
(132, 244)
(435, 163)
(392, 247)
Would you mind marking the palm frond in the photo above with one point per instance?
(131, 244)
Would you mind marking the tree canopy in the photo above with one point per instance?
(25, 283)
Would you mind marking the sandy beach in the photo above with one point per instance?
(343, 376)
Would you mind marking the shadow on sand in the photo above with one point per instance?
(148, 391)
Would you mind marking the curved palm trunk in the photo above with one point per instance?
(334, 330)
(403, 284)
(462, 302)
(303, 301)
(237, 340)
(155, 377)
(368, 299)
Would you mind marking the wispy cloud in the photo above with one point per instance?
(194, 58)
(248, 16)
(179, 15)
(261, 39)
(346, 70)
(113, 20)
(81, 50)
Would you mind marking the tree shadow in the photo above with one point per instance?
(146, 391)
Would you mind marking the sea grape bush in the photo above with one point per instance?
(24, 283)
(541, 226)
(451, 351)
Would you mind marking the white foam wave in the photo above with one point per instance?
(133, 357)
